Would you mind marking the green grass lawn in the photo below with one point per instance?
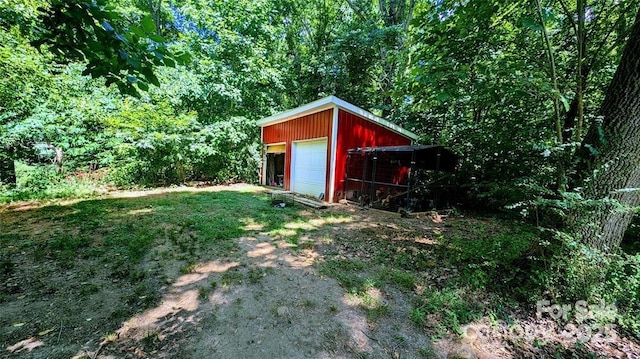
(73, 272)
(78, 270)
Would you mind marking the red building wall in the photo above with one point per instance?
(304, 128)
(354, 131)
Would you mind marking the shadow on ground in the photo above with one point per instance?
(182, 274)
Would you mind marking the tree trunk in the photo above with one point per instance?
(7, 169)
(611, 169)
(155, 9)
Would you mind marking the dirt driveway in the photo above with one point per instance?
(273, 304)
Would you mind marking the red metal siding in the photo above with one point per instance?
(304, 128)
(354, 131)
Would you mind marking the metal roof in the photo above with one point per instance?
(332, 102)
(425, 156)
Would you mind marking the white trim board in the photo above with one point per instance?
(332, 102)
(332, 160)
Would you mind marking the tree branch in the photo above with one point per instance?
(569, 16)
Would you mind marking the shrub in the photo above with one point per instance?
(43, 182)
(227, 151)
(223, 152)
(622, 286)
(491, 255)
(578, 272)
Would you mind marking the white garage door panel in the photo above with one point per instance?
(310, 167)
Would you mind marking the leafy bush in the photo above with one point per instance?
(493, 255)
(227, 151)
(622, 286)
(43, 182)
(575, 272)
(159, 147)
(568, 270)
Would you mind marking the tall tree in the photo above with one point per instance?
(612, 151)
(24, 78)
(395, 15)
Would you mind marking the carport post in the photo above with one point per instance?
(364, 176)
(372, 189)
(413, 162)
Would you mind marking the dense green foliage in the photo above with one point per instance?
(473, 76)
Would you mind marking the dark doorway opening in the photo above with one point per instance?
(275, 169)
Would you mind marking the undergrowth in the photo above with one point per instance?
(41, 182)
(470, 270)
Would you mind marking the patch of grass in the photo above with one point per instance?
(344, 265)
(188, 268)
(290, 236)
(371, 301)
(69, 243)
(309, 304)
(427, 353)
(88, 289)
(121, 267)
(403, 279)
(453, 305)
(137, 275)
(67, 248)
(374, 307)
(231, 277)
(489, 253)
(347, 272)
(203, 293)
(417, 316)
(377, 312)
(143, 296)
(131, 240)
(256, 274)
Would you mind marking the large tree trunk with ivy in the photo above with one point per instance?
(611, 156)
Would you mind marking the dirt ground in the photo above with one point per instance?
(289, 311)
(267, 301)
(267, 298)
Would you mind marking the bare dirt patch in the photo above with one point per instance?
(270, 303)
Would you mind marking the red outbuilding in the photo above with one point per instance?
(305, 149)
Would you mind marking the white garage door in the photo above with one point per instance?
(309, 167)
